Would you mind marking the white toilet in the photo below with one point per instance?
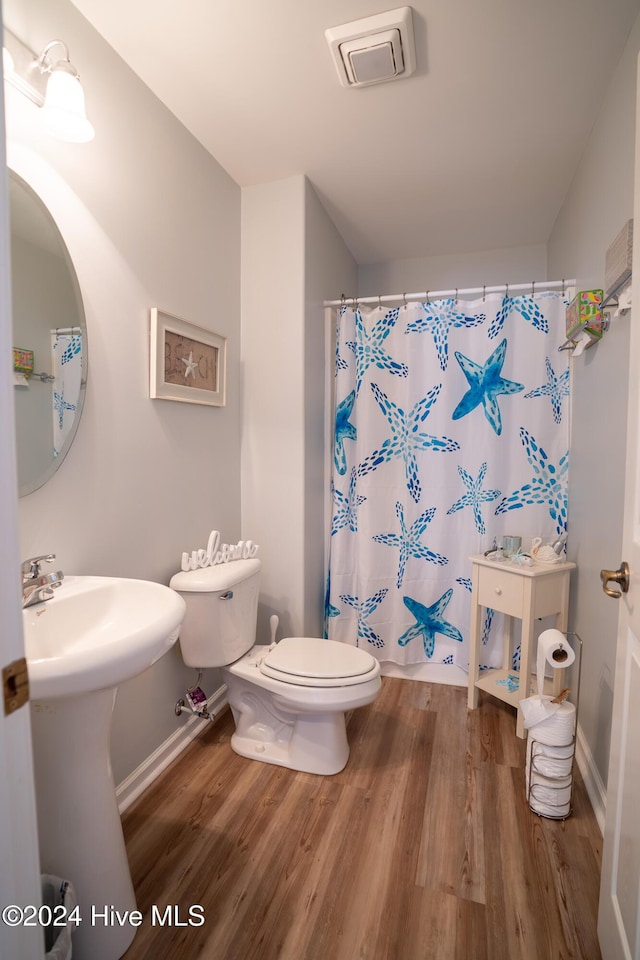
(288, 699)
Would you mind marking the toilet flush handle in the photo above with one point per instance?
(228, 595)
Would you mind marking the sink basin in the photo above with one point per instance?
(96, 632)
(92, 635)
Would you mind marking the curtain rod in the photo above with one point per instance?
(463, 291)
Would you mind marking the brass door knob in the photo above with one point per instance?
(620, 577)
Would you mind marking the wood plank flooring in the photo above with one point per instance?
(422, 848)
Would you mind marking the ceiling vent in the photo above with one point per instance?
(375, 49)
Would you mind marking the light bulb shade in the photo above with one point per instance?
(63, 112)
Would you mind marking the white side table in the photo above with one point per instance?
(516, 591)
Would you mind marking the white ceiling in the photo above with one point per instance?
(474, 151)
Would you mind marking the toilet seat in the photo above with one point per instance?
(312, 662)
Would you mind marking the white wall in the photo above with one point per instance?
(292, 258)
(488, 267)
(599, 202)
(329, 271)
(150, 219)
(272, 395)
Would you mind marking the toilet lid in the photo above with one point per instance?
(312, 662)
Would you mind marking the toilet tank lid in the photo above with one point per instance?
(221, 576)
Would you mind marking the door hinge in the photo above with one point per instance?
(15, 686)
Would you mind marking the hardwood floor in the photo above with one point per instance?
(422, 848)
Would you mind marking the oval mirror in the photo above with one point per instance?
(49, 339)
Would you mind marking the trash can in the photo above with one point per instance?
(57, 939)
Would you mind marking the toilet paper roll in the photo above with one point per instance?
(558, 730)
(548, 761)
(551, 791)
(553, 649)
(550, 798)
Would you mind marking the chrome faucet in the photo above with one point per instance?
(37, 586)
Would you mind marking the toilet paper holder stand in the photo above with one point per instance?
(562, 809)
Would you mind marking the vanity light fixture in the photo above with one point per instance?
(52, 83)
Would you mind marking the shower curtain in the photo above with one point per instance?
(451, 430)
(66, 354)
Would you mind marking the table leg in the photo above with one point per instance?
(474, 643)
(559, 676)
(526, 653)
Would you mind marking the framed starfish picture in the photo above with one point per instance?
(187, 362)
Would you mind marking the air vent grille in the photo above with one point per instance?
(375, 49)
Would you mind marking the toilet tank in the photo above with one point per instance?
(222, 609)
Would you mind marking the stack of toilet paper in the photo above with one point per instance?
(549, 764)
(551, 729)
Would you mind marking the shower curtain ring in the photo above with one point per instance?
(404, 297)
(563, 286)
(379, 302)
(506, 287)
(456, 296)
(533, 289)
(484, 290)
(427, 298)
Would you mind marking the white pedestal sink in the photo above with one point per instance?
(93, 634)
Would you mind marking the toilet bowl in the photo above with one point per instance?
(289, 699)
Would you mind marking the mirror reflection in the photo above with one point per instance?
(49, 339)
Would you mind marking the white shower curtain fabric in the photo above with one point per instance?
(66, 353)
(451, 431)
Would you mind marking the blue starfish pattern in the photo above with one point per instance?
(439, 318)
(365, 608)
(368, 347)
(344, 430)
(408, 541)
(555, 388)
(486, 627)
(329, 609)
(528, 310)
(474, 496)
(406, 438)
(340, 364)
(485, 385)
(547, 486)
(488, 620)
(73, 348)
(429, 621)
(61, 406)
(346, 507)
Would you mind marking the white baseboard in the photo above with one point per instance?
(151, 768)
(595, 788)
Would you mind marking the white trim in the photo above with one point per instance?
(595, 788)
(446, 673)
(151, 768)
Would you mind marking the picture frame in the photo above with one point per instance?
(174, 343)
